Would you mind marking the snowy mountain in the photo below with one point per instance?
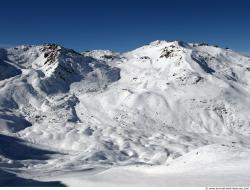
(161, 104)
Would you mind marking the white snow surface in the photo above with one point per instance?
(165, 114)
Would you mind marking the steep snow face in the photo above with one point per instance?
(150, 105)
(64, 67)
(34, 74)
(198, 89)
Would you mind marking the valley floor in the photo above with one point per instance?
(220, 175)
(189, 170)
(213, 165)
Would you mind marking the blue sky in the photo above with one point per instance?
(124, 25)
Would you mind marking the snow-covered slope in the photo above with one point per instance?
(152, 105)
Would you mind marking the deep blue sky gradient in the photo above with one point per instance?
(123, 25)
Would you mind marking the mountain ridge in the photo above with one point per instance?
(150, 105)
